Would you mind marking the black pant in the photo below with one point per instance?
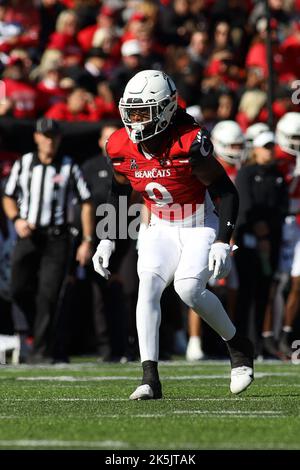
(38, 269)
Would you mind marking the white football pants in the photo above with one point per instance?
(181, 254)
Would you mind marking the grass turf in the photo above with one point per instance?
(86, 406)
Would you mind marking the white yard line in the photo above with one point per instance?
(183, 399)
(203, 385)
(58, 443)
(72, 378)
(229, 412)
(176, 414)
(133, 365)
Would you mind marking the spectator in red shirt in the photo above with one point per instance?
(80, 106)
(64, 38)
(257, 54)
(49, 11)
(9, 31)
(21, 95)
(106, 20)
(49, 87)
(24, 13)
(290, 49)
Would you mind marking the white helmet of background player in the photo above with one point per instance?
(288, 133)
(253, 131)
(229, 142)
(151, 95)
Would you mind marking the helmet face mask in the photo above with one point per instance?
(295, 143)
(148, 104)
(233, 154)
(288, 143)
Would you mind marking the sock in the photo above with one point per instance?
(241, 351)
(150, 372)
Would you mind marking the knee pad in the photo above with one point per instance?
(190, 290)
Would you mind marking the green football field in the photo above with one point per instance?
(86, 406)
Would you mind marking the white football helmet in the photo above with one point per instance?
(229, 142)
(148, 104)
(288, 133)
(253, 131)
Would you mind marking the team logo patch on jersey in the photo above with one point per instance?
(154, 173)
(133, 164)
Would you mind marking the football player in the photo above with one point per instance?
(288, 155)
(163, 154)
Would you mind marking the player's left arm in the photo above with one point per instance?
(211, 173)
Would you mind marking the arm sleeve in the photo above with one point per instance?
(117, 190)
(80, 184)
(12, 184)
(243, 184)
(219, 185)
(224, 189)
(115, 220)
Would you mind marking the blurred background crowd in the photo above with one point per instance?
(69, 61)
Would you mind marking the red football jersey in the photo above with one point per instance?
(169, 189)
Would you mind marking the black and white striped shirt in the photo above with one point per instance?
(43, 192)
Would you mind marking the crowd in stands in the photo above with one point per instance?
(69, 60)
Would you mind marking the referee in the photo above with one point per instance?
(37, 199)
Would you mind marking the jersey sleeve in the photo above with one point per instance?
(115, 160)
(80, 185)
(201, 147)
(12, 184)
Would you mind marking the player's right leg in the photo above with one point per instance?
(158, 258)
(148, 317)
(190, 282)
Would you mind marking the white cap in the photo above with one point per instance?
(131, 47)
(263, 139)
